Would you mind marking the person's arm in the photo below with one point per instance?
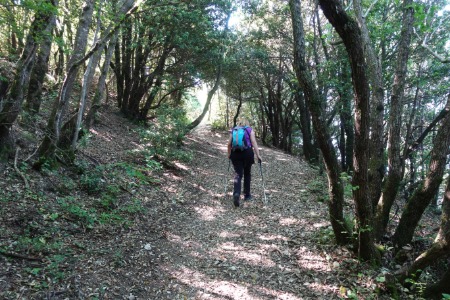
(229, 146)
(255, 145)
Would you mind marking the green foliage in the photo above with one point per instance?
(445, 296)
(325, 236)
(164, 136)
(76, 209)
(218, 124)
(92, 181)
(348, 187)
(317, 186)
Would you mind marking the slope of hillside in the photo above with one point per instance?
(112, 229)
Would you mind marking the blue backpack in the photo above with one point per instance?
(240, 138)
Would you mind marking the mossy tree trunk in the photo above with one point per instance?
(11, 105)
(395, 162)
(312, 97)
(351, 35)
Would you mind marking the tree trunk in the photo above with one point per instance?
(100, 91)
(61, 103)
(87, 82)
(425, 193)
(351, 35)
(336, 191)
(208, 99)
(436, 290)
(376, 150)
(40, 68)
(439, 249)
(12, 104)
(395, 162)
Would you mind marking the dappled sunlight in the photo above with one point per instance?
(172, 176)
(185, 243)
(228, 234)
(281, 158)
(309, 260)
(272, 237)
(321, 224)
(255, 255)
(100, 135)
(208, 213)
(289, 221)
(210, 288)
(181, 166)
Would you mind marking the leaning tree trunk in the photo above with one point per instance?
(351, 35)
(395, 162)
(11, 106)
(87, 82)
(51, 140)
(100, 91)
(436, 290)
(40, 68)
(425, 193)
(441, 246)
(208, 99)
(336, 191)
(53, 135)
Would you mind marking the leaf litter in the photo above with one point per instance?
(190, 242)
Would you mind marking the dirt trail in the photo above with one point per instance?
(189, 241)
(216, 251)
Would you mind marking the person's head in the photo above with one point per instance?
(243, 121)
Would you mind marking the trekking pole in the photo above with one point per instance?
(262, 178)
(225, 178)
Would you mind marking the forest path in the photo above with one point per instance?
(216, 251)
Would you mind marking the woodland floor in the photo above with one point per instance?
(187, 241)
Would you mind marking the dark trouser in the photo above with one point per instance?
(242, 163)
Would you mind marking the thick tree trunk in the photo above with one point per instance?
(395, 162)
(439, 249)
(336, 192)
(40, 68)
(436, 290)
(376, 150)
(351, 35)
(425, 193)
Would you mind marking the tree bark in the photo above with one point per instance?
(439, 249)
(40, 68)
(336, 191)
(100, 91)
(351, 35)
(12, 104)
(395, 162)
(309, 150)
(425, 193)
(376, 150)
(51, 139)
(211, 93)
(87, 82)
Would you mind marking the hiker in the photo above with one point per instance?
(241, 144)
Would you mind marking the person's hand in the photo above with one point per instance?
(259, 160)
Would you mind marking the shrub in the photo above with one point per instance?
(165, 135)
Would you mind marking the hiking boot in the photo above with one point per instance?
(248, 198)
(236, 200)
